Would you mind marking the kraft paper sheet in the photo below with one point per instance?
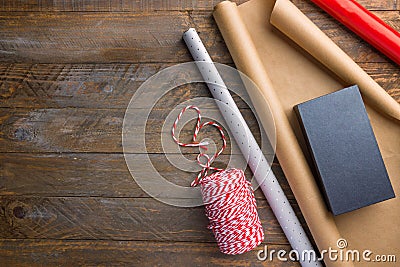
(287, 76)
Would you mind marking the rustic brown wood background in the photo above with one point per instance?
(68, 70)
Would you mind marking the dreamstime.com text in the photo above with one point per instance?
(331, 254)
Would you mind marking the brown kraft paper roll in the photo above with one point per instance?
(286, 77)
(293, 23)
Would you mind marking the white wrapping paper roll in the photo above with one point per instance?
(251, 151)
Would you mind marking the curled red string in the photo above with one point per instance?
(229, 200)
(199, 126)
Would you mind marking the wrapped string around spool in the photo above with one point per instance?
(228, 197)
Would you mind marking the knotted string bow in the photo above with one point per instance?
(207, 165)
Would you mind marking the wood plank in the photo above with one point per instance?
(102, 37)
(373, 5)
(387, 76)
(72, 85)
(122, 253)
(109, 5)
(379, 5)
(25, 85)
(100, 130)
(114, 219)
(74, 37)
(146, 6)
(96, 175)
(86, 85)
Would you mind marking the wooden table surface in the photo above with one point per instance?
(68, 70)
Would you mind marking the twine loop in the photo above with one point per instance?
(206, 167)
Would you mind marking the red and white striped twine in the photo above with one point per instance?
(228, 197)
(206, 166)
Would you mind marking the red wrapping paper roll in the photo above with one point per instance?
(365, 24)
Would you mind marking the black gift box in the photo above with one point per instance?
(344, 150)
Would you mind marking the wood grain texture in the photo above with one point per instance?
(109, 5)
(96, 37)
(114, 219)
(99, 130)
(95, 175)
(147, 5)
(68, 70)
(90, 37)
(384, 5)
(34, 253)
(111, 86)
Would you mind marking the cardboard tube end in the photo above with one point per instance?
(223, 4)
